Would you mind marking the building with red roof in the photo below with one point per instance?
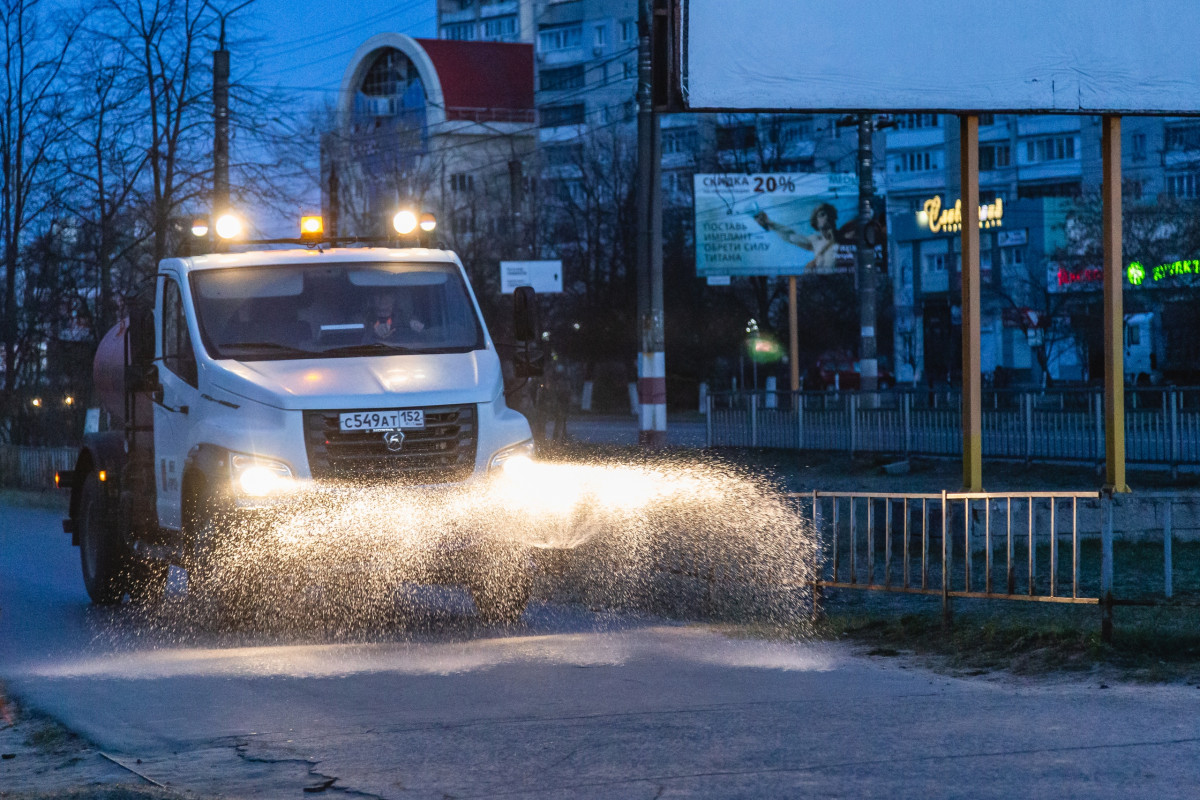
(431, 124)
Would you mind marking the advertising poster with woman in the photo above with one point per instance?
(778, 224)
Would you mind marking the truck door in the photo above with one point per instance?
(178, 375)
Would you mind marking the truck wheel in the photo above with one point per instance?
(501, 589)
(100, 549)
(147, 580)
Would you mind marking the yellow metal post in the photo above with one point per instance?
(972, 414)
(1114, 316)
(793, 334)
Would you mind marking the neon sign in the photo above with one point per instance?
(1137, 272)
(1089, 275)
(936, 218)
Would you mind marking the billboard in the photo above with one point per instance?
(778, 224)
(1067, 56)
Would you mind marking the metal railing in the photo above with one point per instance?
(1162, 426)
(991, 545)
(24, 467)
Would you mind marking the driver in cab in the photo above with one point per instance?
(391, 319)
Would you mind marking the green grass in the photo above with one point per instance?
(1149, 644)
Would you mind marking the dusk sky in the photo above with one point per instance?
(307, 44)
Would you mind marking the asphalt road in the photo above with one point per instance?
(571, 703)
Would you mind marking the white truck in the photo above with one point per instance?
(261, 369)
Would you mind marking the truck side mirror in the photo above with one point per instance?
(525, 316)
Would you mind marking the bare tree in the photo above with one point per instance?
(31, 128)
(162, 47)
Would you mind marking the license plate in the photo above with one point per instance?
(382, 420)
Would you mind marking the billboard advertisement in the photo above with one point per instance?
(779, 224)
(1065, 56)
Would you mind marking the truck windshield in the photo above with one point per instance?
(334, 310)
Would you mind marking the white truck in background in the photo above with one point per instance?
(262, 369)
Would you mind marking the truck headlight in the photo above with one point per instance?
(259, 477)
(511, 456)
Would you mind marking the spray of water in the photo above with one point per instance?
(685, 538)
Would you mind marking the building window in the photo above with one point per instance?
(601, 36)
(500, 28)
(555, 80)
(553, 116)
(1182, 137)
(678, 140)
(459, 31)
(628, 31)
(1027, 191)
(1012, 257)
(987, 119)
(1138, 147)
(561, 38)
(678, 183)
(933, 262)
(994, 156)
(1183, 187)
(740, 137)
(913, 121)
(629, 70)
(562, 155)
(462, 182)
(917, 161)
(1051, 148)
(569, 191)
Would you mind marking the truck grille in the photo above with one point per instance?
(441, 452)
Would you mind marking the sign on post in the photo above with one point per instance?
(545, 277)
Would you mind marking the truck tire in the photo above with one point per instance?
(502, 586)
(100, 548)
(147, 580)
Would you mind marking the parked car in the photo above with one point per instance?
(839, 369)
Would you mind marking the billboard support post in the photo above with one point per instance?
(1114, 316)
(793, 335)
(972, 413)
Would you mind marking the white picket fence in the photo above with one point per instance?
(33, 467)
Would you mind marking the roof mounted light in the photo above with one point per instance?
(199, 227)
(428, 222)
(405, 222)
(312, 227)
(228, 226)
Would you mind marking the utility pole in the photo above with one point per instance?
(868, 365)
(220, 196)
(652, 371)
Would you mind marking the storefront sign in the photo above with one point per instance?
(1138, 273)
(938, 219)
(1013, 238)
(1066, 277)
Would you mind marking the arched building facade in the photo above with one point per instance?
(436, 125)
